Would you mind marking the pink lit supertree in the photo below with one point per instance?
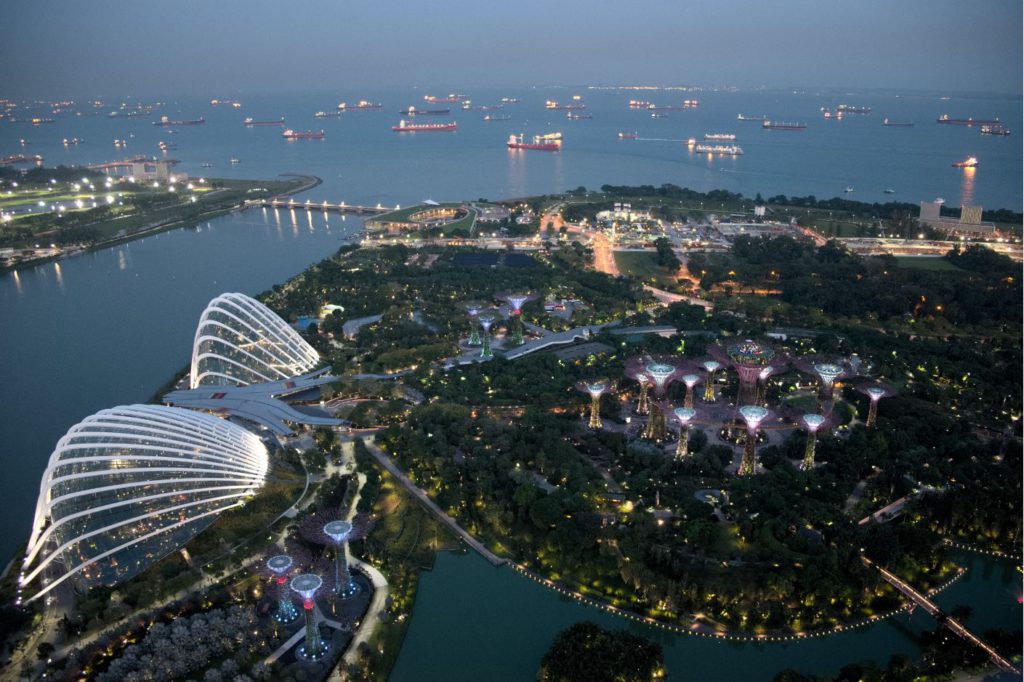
(516, 300)
(690, 379)
(305, 586)
(654, 376)
(875, 392)
(749, 358)
(684, 415)
(710, 366)
(813, 423)
(331, 530)
(280, 565)
(753, 416)
(595, 389)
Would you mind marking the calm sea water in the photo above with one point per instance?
(362, 160)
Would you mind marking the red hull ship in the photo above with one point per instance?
(302, 135)
(406, 127)
(538, 144)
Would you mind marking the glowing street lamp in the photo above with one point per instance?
(752, 415)
(684, 415)
(812, 422)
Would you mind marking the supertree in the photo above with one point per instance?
(473, 308)
(874, 392)
(812, 422)
(684, 415)
(690, 380)
(656, 429)
(643, 401)
(306, 586)
(749, 358)
(710, 366)
(487, 320)
(325, 528)
(595, 389)
(280, 564)
(516, 300)
(753, 416)
(827, 371)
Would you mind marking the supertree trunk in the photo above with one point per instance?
(655, 425)
(517, 332)
(683, 448)
(749, 461)
(808, 463)
(474, 336)
(688, 400)
(642, 404)
(486, 352)
(709, 388)
(595, 412)
(872, 413)
(314, 644)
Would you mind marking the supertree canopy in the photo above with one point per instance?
(595, 389)
(827, 371)
(812, 422)
(329, 529)
(487, 320)
(474, 308)
(690, 380)
(753, 416)
(684, 415)
(710, 366)
(306, 586)
(280, 565)
(516, 300)
(875, 392)
(749, 359)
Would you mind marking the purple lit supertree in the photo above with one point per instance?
(753, 416)
(875, 392)
(306, 586)
(690, 380)
(474, 308)
(487, 320)
(650, 373)
(828, 372)
(812, 422)
(710, 366)
(684, 415)
(595, 389)
(749, 358)
(516, 300)
(280, 564)
(327, 528)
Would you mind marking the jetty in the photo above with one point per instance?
(326, 206)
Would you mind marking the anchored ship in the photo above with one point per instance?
(413, 111)
(327, 114)
(496, 117)
(628, 136)
(967, 121)
(720, 136)
(407, 127)
(164, 121)
(775, 125)
(539, 143)
(729, 150)
(969, 162)
(250, 121)
(303, 134)
(362, 105)
(850, 109)
(897, 124)
(994, 130)
(450, 99)
(552, 104)
(577, 117)
(759, 119)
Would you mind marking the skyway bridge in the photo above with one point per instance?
(946, 620)
(308, 205)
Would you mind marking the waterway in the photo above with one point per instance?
(476, 622)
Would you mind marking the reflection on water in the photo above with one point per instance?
(60, 276)
(967, 187)
(17, 282)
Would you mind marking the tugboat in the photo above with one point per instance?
(994, 130)
(628, 136)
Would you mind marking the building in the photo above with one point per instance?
(969, 222)
(131, 484)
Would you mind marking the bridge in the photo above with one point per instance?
(308, 205)
(935, 612)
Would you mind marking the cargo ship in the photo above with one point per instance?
(776, 125)
(406, 127)
(539, 143)
(578, 117)
(967, 121)
(495, 117)
(850, 109)
(743, 117)
(413, 111)
(327, 114)
(728, 150)
(361, 105)
(164, 121)
(510, 100)
(552, 104)
(450, 99)
(828, 114)
(720, 136)
(303, 134)
(969, 162)
(640, 104)
(897, 124)
(234, 103)
(994, 130)
(41, 121)
(551, 137)
(628, 136)
(250, 121)
(687, 104)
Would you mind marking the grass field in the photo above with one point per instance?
(642, 265)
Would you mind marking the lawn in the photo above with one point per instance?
(642, 265)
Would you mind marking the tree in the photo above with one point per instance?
(587, 652)
(44, 650)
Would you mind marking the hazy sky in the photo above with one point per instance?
(50, 48)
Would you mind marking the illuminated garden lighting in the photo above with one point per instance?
(812, 422)
(828, 372)
(684, 415)
(690, 380)
(661, 374)
(595, 389)
(280, 565)
(516, 300)
(875, 393)
(749, 358)
(487, 320)
(306, 586)
(752, 415)
(710, 366)
(473, 309)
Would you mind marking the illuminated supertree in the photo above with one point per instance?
(874, 392)
(473, 308)
(487, 320)
(328, 529)
(690, 380)
(662, 374)
(749, 358)
(656, 429)
(684, 415)
(595, 389)
(280, 565)
(643, 402)
(711, 366)
(516, 300)
(827, 371)
(753, 416)
(306, 585)
(812, 422)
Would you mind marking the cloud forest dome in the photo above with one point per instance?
(240, 341)
(129, 485)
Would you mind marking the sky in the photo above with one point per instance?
(51, 48)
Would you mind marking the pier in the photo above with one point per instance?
(309, 205)
(946, 620)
